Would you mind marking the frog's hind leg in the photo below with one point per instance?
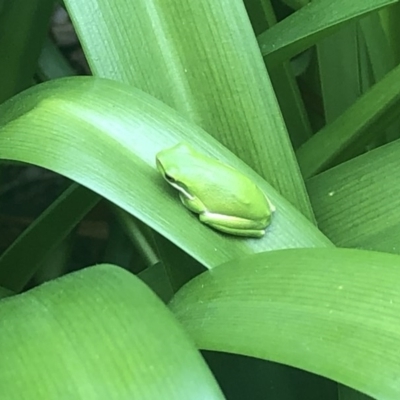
(245, 232)
(234, 225)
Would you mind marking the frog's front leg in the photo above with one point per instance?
(193, 204)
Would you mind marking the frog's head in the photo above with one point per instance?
(169, 163)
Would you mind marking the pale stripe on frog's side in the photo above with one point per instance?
(224, 198)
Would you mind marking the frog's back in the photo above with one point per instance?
(228, 190)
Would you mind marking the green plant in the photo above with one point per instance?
(172, 70)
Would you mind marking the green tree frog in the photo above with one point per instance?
(224, 198)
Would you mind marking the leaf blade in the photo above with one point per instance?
(203, 60)
(334, 312)
(357, 203)
(94, 334)
(114, 155)
(310, 24)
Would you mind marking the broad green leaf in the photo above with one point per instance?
(312, 23)
(202, 59)
(104, 135)
(354, 129)
(357, 203)
(96, 334)
(23, 258)
(334, 312)
(24, 26)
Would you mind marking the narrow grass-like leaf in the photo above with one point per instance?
(296, 4)
(24, 26)
(23, 258)
(283, 79)
(95, 334)
(201, 58)
(390, 20)
(310, 24)
(157, 279)
(381, 55)
(261, 14)
(139, 234)
(355, 128)
(381, 59)
(52, 64)
(104, 135)
(358, 203)
(334, 312)
(291, 103)
(338, 61)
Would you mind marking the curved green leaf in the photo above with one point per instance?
(99, 333)
(334, 312)
(313, 22)
(283, 77)
(105, 135)
(202, 59)
(358, 204)
(354, 129)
